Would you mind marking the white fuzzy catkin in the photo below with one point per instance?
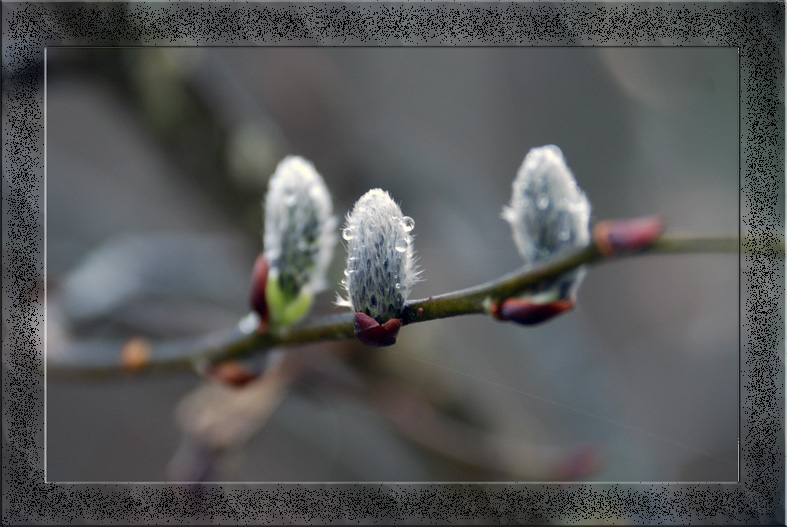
(380, 257)
(549, 214)
(300, 231)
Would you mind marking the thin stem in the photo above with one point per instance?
(474, 300)
(237, 343)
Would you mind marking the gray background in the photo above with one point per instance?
(646, 368)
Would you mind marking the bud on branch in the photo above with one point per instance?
(549, 215)
(298, 240)
(380, 266)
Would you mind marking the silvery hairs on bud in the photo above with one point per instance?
(299, 229)
(380, 257)
(549, 214)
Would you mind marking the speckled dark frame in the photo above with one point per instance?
(757, 30)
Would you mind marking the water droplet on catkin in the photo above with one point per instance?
(347, 234)
(401, 245)
(408, 223)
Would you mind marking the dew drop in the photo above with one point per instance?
(347, 234)
(398, 286)
(348, 272)
(408, 223)
(401, 245)
(542, 201)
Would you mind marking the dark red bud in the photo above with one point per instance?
(619, 236)
(372, 333)
(259, 277)
(527, 313)
(579, 464)
(232, 374)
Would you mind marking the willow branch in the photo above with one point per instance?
(240, 342)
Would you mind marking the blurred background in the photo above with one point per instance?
(158, 158)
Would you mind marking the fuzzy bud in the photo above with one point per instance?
(299, 238)
(380, 264)
(549, 215)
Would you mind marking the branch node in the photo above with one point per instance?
(374, 334)
(136, 354)
(231, 373)
(613, 237)
(530, 313)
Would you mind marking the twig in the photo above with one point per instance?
(241, 341)
(417, 420)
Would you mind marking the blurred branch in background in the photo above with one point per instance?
(217, 418)
(215, 132)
